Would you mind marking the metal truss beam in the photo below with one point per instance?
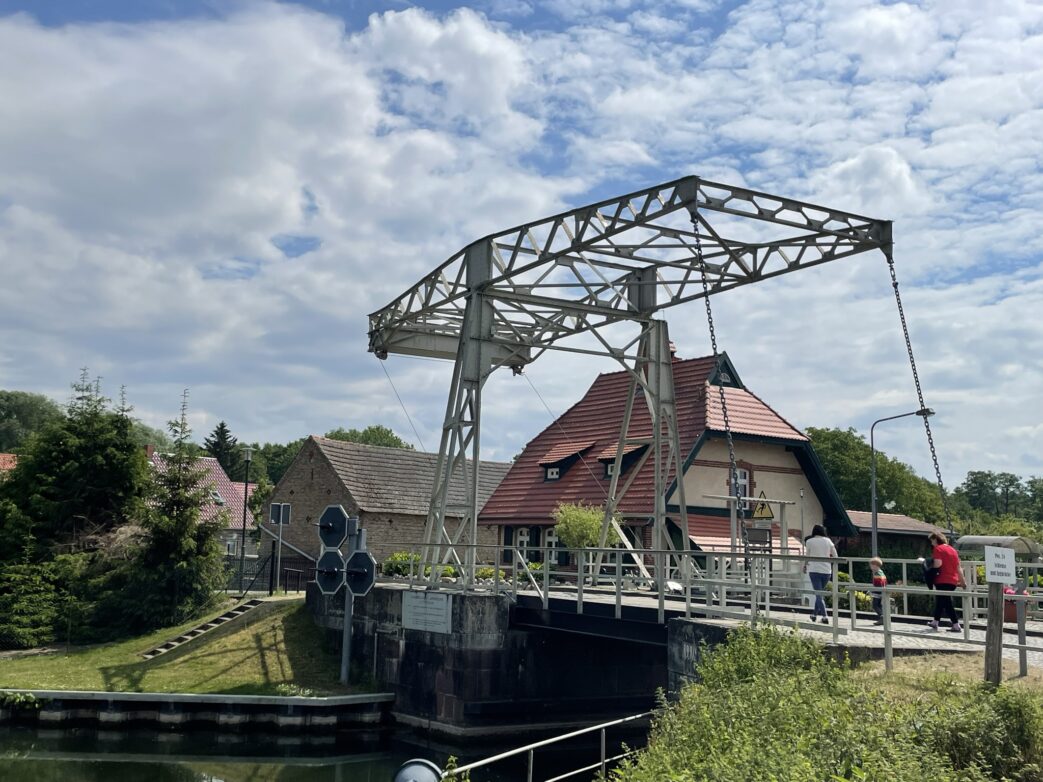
(507, 298)
(571, 273)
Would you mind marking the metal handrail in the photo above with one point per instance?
(531, 748)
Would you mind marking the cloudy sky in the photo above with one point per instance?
(213, 195)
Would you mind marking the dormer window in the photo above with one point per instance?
(610, 469)
(216, 498)
(560, 458)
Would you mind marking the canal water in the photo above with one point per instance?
(88, 755)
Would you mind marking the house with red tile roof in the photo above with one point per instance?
(571, 461)
(7, 462)
(225, 501)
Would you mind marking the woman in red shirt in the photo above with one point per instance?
(950, 576)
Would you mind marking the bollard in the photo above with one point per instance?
(888, 651)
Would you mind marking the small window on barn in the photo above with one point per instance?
(216, 498)
(552, 473)
(610, 469)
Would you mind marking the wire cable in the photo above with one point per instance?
(558, 424)
(403, 406)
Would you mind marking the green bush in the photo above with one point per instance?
(770, 706)
(400, 563)
(999, 731)
(488, 573)
(28, 606)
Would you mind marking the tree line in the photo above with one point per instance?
(96, 543)
(985, 503)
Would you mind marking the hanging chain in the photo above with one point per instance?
(720, 387)
(919, 392)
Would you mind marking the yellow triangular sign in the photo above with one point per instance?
(763, 509)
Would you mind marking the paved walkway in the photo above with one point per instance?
(911, 634)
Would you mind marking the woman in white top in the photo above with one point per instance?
(820, 572)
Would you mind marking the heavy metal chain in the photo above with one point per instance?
(919, 392)
(720, 386)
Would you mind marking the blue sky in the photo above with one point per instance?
(213, 195)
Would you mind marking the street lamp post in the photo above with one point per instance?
(247, 454)
(924, 412)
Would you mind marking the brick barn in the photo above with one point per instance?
(389, 489)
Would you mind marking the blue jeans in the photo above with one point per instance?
(818, 583)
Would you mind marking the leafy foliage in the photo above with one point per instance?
(371, 435)
(769, 705)
(77, 479)
(23, 414)
(180, 566)
(847, 459)
(579, 526)
(27, 606)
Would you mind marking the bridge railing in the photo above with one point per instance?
(732, 583)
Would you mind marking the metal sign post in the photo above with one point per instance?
(280, 515)
(355, 573)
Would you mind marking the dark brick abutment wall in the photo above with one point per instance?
(486, 678)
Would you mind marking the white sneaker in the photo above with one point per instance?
(956, 628)
(933, 624)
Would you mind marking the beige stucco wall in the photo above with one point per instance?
(310, 485)
(774, 471)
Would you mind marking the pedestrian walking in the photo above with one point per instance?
(876, 566)
(819, 571)
(950, 576)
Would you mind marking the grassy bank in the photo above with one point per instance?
(283, 653)
(771, 707)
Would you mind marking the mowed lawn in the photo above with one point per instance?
(283, 653)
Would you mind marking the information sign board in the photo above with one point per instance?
(999, 565)
(428, 611)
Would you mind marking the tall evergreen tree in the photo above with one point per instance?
(81, 476)
(180, 568)
(224, 447)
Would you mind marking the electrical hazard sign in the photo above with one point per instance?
(762, 510)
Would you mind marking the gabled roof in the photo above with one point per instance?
(8, 461)
(892, 523)
(396, 480)
(525, 497)
(224, 494)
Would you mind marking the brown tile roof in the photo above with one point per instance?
(563, 451)
(8, 461)
(608, 453)
(525, 497)
(747, 414)
(892, 523)
(225, 494)
(395, 480)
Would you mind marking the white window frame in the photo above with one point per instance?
(742, 480)
(521, 542)
(232, 544)
(610, 468)
(552, 473)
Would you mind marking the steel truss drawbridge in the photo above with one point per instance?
(507, 298)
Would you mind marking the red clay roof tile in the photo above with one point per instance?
(563, 451)
(524, 497)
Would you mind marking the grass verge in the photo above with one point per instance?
(283, 653)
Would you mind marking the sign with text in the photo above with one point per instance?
(999, 565)
(431, 612)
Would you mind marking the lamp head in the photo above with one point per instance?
(247, 452)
